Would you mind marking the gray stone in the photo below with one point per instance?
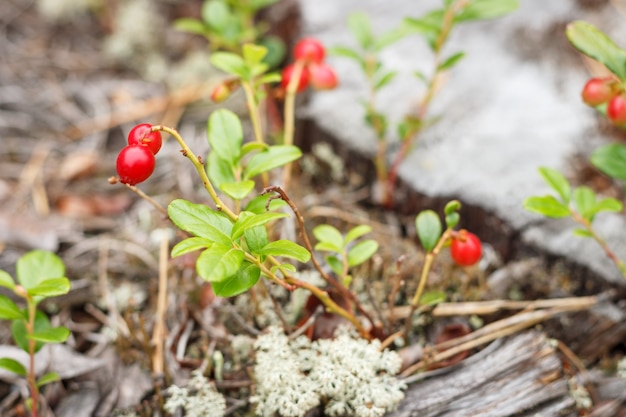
(510, 106)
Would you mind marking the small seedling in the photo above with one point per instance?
(40, 275)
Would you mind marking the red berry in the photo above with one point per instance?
(616, 110)
(288, 73)
(322, 77)
(142, 134)
(135, 164)
(309, 50)
(220, 93)
(466, 248)
(598, 91)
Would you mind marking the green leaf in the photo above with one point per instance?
(328, 233)
(582, 233)
(216, 15)
(428, 25)
(384, 80)
(253, 220)
(48, 378)
(276, 52)
(190, 245)
(225, 134)
(388, 38)
(361, 252)
(272, 77)
(273, 157)
(452, 207)
(9, 310)
(486, 9)
(452, 220)
(335, 264)
(51, 287)
(218, 262)
(428, 226)
(253, 54)
(328, 247)
(594, 43)
(585, 200)
(230, 63)
(611, 159)
(256, 238)
(451, 61)
(240, 282)
(191, 26)
(557, 181)
(286, 248)
(608, 204)
(359, 24)
(20, 335)
(346, 53)
(357, 232)
(433, 297)
(547, 205)
(252, 146)
(14, 366)
(201, 221)
(219, 170)
(258, 204)
(6, 280)
(51, 335)
(237, 190)
(37, 266)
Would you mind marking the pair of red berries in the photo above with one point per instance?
(135, 163)
(310, 53)
(608, 90)
(465, 248)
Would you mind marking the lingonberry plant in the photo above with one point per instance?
(605, 94)
(40, 275)
(436, 27)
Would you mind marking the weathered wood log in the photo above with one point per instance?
(519, 376)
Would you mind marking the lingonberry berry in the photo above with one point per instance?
(598, 90)
(309, 50)
(288, 73)
(220, 93)
(322, 77)
(142, 134)
(135, 164)
(616, 109)
(465, 248)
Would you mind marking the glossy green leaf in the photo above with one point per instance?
(557, 181)
(191, 26)
(272, 157)
(452, 220)
(240, 282)
(191, 244)
(253, 54)
(272, 77)
(219, 170)
(225, 134)
(9, 310)
(357, 232)
(433, 297)
(259, 205)
(38, 265)
(360, 26)
(253, 220)
(230, 63)
(452, 206)
(346, 53)
(585, 200)
(51, 335)
(253, 146)
(218, 262)
(582, 233)
(594, 43)
(238, 190)
(20, 335)
(335, 264)
(14, 366)
(6, 280)
(256, 238)
(328, 247)
(611, 159)
(427, 24)
(361, 252)
(608, 204)
(51, 287)
(428, 226)
(388, 38)
(48, 378)
(548, 206)
(216, 15)
(328, 233)
(486, 9)
(451, 61)
(287, 249)
(201, 221)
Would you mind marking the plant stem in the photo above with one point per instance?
(186, 151)
(32, 344)
(289, 116)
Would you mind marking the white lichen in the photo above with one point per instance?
(348, 375)
(199, 398)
